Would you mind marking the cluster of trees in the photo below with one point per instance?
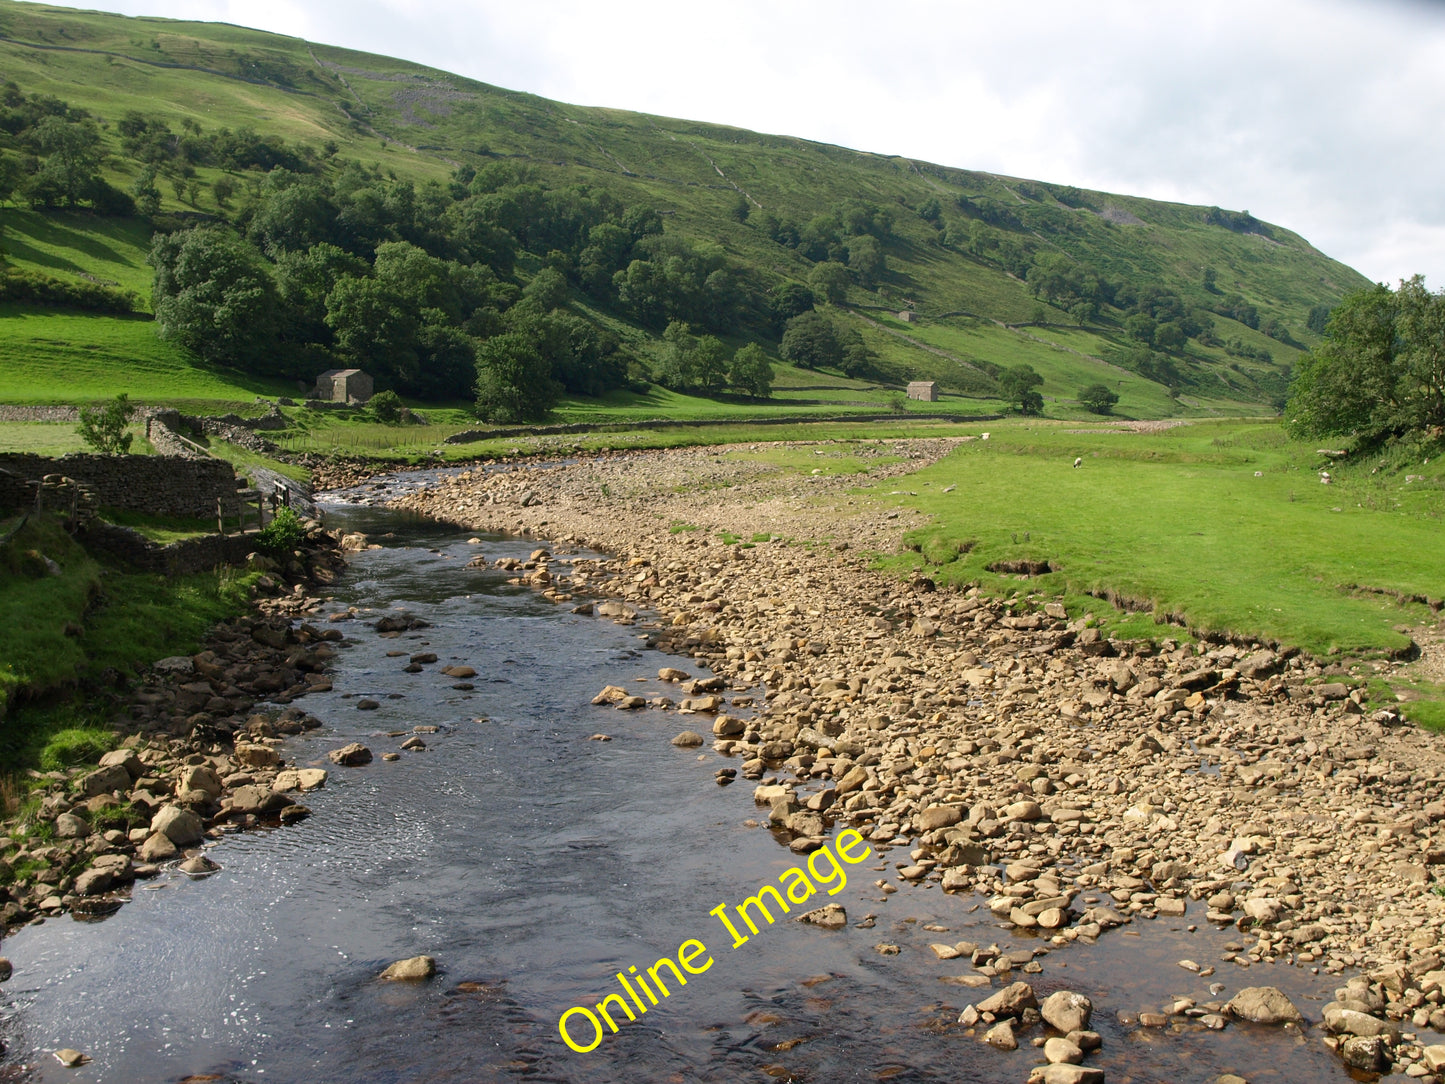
(51, 153)
(1380, 372)
(1074, 286)
(851, 239)
(815, 341)
(699, 363)
(411, 282)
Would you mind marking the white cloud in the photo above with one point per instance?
(1320, 115)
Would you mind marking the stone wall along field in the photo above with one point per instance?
(150, 485)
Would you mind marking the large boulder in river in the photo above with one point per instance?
(180, 826)
(413, 970)
(1012, 1000)
(350, 756)
(1067, 1011)
(1264, 1005)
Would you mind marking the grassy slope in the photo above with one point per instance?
(420, 122)
(51, 356)
(1180, 521)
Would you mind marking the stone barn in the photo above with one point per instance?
(907, 316)
(344, 386)
(925, 391)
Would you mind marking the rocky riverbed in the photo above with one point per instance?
(200, 755)
(1079, 783)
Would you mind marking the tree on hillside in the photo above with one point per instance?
(214, 296)
(1380, 371)
(750, 372)
(1098, 398)
(789, 300)
(1017, 385)
(831, 279)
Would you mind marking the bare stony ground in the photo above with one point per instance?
(1080, 783)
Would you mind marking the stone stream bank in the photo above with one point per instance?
(199, 757)
(1079, 783)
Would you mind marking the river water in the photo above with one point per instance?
(534, 863)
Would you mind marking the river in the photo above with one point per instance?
(535, 863)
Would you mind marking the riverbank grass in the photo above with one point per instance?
(1222, 527)
(67, 618)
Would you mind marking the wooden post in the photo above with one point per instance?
(220, 519)
(260, 511)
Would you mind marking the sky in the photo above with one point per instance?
(1322, 116)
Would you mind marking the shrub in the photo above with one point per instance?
(282, 535)
(386, 407)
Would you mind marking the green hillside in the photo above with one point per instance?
(1178, 309)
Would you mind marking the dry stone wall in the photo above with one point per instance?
(151, 485)
(176, 559)
(16, 492)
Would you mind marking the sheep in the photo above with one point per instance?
(1079, 462)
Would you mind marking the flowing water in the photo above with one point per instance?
(534, 864)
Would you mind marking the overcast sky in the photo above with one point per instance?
(1324, 116)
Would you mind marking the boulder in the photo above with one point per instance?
(254, 799)
(1062, 1052)
(350, 756)
(200, 777)
(124, 758)
(1072, 1074)
(256, 756)
(198, 866)
(831, 917)
(1067, 1011)
(415, 969)
(1012, 1000)
(1001, 1036)
(1264, 1005)
(688, 739)
(180, 826)
(69, 826)
(105, 780)
(1367, 1054)
(157, 848)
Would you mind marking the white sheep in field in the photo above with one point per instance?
(1079, 462)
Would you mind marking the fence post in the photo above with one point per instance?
(220, 519)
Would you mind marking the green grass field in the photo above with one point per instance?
(1180, 522)
(50, 356)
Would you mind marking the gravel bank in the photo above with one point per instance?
(1078, 782)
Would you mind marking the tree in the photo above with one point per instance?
(831, 279)
(866, 260)
(214, 295)
(692, 362)
(751, 372)
(514, 383)
(103, 427)
(1098, 398)
(1380, 371)
(1140, 327)
(789, 300)
(1017, 385)
(147, 195)
(811, 341)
